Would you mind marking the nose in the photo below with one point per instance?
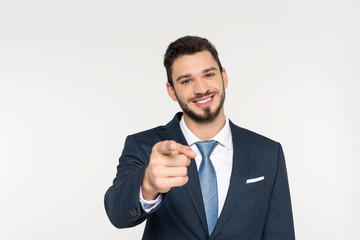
(200, 86)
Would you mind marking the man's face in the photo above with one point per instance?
(199, 87)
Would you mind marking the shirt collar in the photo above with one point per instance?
(223, 137)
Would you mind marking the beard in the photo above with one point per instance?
(207, 115)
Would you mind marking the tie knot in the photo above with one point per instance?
(206, 147)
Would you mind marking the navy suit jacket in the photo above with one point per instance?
(252, 211)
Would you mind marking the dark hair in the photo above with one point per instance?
(187, 45)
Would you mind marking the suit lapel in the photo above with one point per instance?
(172, 131)
(241, 160)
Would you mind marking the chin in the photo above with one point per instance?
(206, 116)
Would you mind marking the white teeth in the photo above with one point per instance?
(204, 101)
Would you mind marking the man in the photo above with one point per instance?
(200, 176)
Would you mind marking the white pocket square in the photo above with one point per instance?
(252, 180)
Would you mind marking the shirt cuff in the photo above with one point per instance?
(147, 206)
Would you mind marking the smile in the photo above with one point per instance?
(204, 101)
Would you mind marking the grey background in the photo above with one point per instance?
(77, 77)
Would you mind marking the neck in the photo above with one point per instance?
(206, 131)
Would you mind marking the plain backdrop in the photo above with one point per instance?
(77, 77)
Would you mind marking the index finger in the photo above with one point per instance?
(186, 150)
(170, 147)
(166, 147)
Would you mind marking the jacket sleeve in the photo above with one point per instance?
(122, 198)
(279, 222)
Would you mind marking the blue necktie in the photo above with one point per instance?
(208, 182)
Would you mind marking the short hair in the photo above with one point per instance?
(187, 45)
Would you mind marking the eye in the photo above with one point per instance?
(208, 75)
(186, 81)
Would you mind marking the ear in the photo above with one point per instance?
(171, 91)
(225, 78)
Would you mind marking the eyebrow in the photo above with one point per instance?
(189, 75)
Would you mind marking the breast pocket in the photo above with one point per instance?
(255, 186)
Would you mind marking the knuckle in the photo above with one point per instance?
(156, 145)
(153, 161)
(186, 179)
(154, 154)
(169, 142)
(182, 181)
(157, 183)
(156, 172)
(183, 171)
(161, 185)
(184, 160)
(188, 161)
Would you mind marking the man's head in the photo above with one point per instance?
(196, 78)
(187, 45)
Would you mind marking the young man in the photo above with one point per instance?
(200, 176)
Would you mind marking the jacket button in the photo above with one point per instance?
(133, 212)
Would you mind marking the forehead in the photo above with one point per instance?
(192, 64)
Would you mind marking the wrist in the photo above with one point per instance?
(148, 191)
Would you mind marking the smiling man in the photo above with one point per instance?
(201, 176)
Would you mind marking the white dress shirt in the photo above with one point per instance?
(221, 158)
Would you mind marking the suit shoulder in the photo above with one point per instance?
(153, 134)
(257, 136)
(254, 137)
(261, 147)
(149, 133)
